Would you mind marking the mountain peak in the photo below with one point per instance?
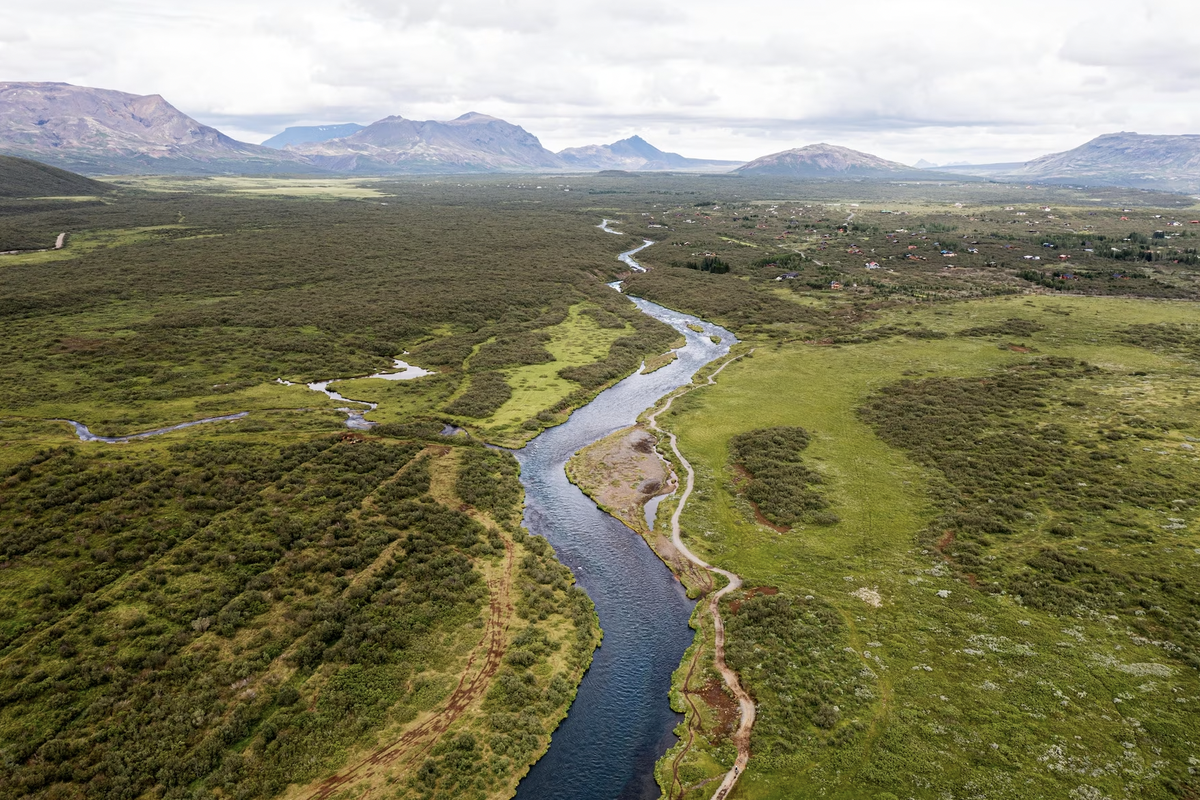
(635, 153)
(473, 142)
(104, 131)
(823, 160)
(475, 116)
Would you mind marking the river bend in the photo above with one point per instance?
(621, 722)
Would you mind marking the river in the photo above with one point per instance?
(621, 722)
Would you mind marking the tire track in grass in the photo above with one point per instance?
(417, 741)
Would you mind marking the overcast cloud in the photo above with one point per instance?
(944, 80)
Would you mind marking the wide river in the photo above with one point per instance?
(621, 722)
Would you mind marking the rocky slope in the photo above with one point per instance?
(471, 143)
(826, 161)
(99, 131)
(305, 134)
(636, 154)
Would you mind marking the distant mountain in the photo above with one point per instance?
(826, 161)
(1170, 163)
(20, 177)
(1124, 159)
(304, 134)
(923, 164)
(471, 143)
(636, 154)
(99, 132)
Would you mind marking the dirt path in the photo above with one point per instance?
(474, 682)
(741, 736)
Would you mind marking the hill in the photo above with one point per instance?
(105, 132)
(1170, 163)
(636, 154)
(304, 134)
(826, 161)
(471, 143)
(20, 177)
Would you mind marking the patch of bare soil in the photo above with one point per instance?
(724, 709)
(765, 591)
(621, 473)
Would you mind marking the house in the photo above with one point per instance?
(835, 285)
(788, 276)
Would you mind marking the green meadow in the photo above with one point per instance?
(888, 664)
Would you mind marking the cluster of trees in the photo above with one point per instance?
(713, 264)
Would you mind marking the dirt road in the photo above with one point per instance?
(741, 737)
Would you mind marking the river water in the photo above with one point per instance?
(621, 722)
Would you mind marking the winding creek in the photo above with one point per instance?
(621, 722)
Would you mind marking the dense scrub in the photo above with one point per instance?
(486, 392)
(790, 653)
(1014, 473)
(1178, 339)
(191, 297)
(20, 177)
(1009, 327)
(188, 602)
(777, 482)
(487, 479)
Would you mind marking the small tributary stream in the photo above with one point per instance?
(621, 722)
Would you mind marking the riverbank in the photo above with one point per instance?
(619, 474)
(622, 721)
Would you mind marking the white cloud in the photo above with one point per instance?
(938, 79)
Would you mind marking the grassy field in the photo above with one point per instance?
(895, 660)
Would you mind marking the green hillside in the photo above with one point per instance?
(20, 177)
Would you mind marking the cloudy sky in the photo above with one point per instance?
(944, 80)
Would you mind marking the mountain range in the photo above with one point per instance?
(100, 131)
(105, 132)
(471, 143)
(635, 154)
